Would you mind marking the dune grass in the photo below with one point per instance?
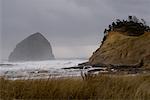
(96, 87)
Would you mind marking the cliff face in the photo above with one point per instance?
(34, 48)
(120, 48)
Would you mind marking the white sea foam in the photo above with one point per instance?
(40, 69)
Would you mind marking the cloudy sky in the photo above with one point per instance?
(74, 27)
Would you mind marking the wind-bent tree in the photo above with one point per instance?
(132, 27)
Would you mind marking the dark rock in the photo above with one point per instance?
(34, 48)
(83, 64)
(78, 67)
(6, 64)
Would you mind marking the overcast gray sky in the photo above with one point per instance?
(73, 27)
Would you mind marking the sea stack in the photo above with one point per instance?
(33, 48)
(126, 42)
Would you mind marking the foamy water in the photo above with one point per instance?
(40, 69)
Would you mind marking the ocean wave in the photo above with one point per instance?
(39, 69)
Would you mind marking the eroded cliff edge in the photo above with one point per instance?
(122, 49)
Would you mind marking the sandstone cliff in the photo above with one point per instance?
(122, 49)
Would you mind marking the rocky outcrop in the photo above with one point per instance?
(122, 49)
(34, 48)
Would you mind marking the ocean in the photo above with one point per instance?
(40, 69)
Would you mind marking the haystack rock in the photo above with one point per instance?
(34, 48)
(122, 49)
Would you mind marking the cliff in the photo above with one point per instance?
(34, 48)
(119, 48)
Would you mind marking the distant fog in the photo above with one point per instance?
(73, 27)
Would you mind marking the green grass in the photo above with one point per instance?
(95, 87)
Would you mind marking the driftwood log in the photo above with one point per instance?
(109, 66)
(129, 68)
